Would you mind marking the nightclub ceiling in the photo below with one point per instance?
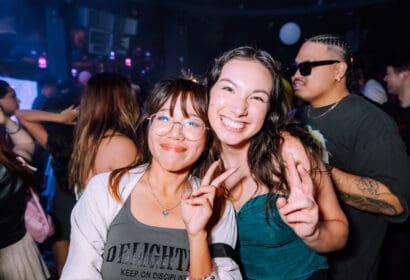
(161, 37)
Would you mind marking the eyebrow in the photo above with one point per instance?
(195, 115)
(255, 91)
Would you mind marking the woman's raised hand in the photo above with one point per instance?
(300, 210)
(69, 114)
(196, 206)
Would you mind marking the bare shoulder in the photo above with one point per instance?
(116, 141)
(117, 146)
(115, 152)
(293, 145)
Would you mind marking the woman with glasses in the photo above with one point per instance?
(155, 219)
(286, 209)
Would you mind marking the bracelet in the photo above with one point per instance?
(13, 132)
(328, 167)
(211, 276)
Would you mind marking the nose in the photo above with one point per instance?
(239, 106)
(295, 73)
(176, 131)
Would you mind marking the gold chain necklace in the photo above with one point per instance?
(165, 210)
(321, 115)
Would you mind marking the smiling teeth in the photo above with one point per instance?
(232, 124)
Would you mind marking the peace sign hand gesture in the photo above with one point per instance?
(300, 210)
(196, 206)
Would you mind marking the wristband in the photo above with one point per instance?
(329, 168)
(211, 276)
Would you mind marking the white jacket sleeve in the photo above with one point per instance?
(225, 232)
(88, 233)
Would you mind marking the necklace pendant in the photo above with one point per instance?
(165, 212)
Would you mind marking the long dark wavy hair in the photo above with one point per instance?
(264, 153)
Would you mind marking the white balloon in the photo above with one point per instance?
(289, 33)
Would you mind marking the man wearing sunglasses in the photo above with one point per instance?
(366, 156)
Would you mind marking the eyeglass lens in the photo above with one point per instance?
(191, 129)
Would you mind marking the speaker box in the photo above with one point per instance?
(99, 41)
(98, 19)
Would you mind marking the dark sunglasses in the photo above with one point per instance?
(305, 68)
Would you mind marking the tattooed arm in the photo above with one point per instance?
(366, 193)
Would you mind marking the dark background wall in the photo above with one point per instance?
(163, 37)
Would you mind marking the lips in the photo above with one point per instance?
(173, 148)
(297, 84)
(231, 124)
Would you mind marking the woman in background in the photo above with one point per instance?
(19, 255)
(54, 131)
(104, 137)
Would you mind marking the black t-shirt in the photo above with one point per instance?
(362, 140)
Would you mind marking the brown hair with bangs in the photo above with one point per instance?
(172, 90)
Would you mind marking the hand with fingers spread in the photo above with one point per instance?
(300, 210)
(196, 206)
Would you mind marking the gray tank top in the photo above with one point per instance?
(137, 251)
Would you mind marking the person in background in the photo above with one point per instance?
(286, 209)
(397, 80)
(367, 157)
(367, 82)
(104, 137)
(47, 88)
(19, 255)
(396, 246)
(54, 131)
(9, 103)
(156, 205)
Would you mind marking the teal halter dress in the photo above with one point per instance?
(272, 251)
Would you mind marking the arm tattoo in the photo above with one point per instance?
(368, 186)
(368, 204)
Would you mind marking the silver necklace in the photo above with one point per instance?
(165, 210)
(324, 113)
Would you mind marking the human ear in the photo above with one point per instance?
(405, 74)
(341, 69)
